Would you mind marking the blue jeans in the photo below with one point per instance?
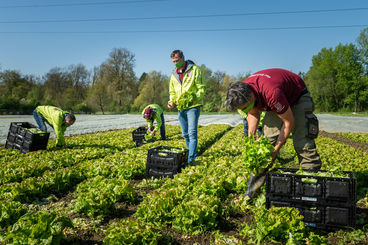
(162, 128)
(245, 125)
(39, 120)
(188, 120)
(260, 129)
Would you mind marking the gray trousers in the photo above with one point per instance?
(304, 146)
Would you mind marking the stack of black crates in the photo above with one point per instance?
(23, 140)
(325, 202)
(138, 136)
(165, 161)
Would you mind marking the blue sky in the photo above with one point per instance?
(35, 48)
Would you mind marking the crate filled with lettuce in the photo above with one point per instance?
(321, 187)
(140, 136)
(165, 161)
(26, 137)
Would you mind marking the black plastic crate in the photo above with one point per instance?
(139, 133)
(328, 217)
(22, 139)
(14, 127)
(11, 137)
(321, 216)
(160, 173)
(162, 161)
(307, 188)
(9, 145)
(138, 136)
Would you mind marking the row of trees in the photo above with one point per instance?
(338, 77)
(111, 87)
(337, 80)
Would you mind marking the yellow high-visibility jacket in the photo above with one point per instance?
(188, 93)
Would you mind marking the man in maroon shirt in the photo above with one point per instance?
(289, 108)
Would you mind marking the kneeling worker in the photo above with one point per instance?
(151, 113)
(58, 119)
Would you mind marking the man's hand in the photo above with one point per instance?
(170, 105)
(153, 132)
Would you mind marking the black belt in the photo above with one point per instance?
(304, 91)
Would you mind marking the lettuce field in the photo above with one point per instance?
(95, 192)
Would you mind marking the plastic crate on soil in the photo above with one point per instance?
(11, 137)
(138, 136)
(157, 173)
(9, 145)
(139, 133)
(22, 139)
(309, 188)
(165, 161)
(321, 216)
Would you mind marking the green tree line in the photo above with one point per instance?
(337, 80)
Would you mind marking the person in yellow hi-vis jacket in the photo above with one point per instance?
(151, 113)
(58, 119)
(186, 90)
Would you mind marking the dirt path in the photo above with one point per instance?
(344, 140)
